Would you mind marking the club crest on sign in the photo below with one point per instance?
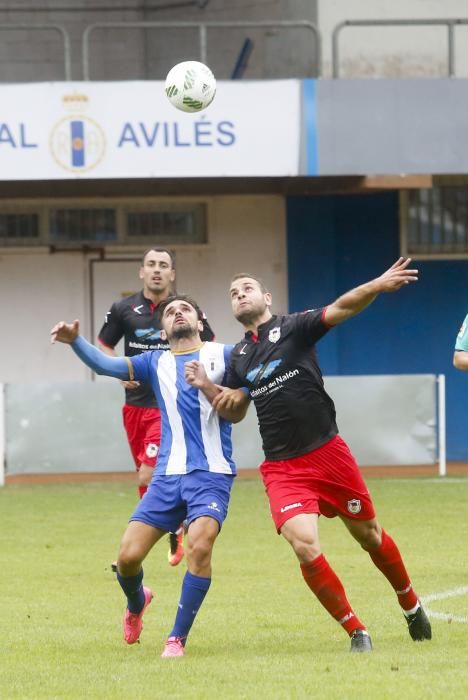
(274, 335)
(354, 506)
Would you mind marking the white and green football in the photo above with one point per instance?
(190, 86)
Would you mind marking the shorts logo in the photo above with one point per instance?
(284, 509)
(151, 450)
(274, 335)
(354, 506)
(214, 506)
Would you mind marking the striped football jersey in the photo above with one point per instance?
(193, 435)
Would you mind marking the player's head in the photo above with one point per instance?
(181, 317)
(157, 271)
(250, 299)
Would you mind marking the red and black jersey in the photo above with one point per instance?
(279, 367)
(135, 319)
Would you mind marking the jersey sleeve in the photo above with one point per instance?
(461, 342)
(99, 362)
(310, 325)
(112, 330)
(141, 366)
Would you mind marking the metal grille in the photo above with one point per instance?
(19, 229)
(177, 227)
(128, 223)
(437, 221)
(78, 226)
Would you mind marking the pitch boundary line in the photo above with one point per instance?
(453, 593)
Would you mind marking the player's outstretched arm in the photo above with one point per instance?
(96, 360)
(357, 299)
(111, 352)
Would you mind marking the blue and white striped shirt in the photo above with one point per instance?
(193, 436)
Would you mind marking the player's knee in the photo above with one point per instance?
(370, 536)
(129, 558)
(199, 551)
(305, 551)
(144, 476)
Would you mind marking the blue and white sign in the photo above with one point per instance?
(130, 130)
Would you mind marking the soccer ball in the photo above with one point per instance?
(190, 86)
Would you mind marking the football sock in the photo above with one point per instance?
(194, 590)
(388, 559)
(132, 586)
(328, 588)
(142, 490)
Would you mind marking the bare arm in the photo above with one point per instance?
(111, 352)
(460, 360)
(357, 299)
(230, 404)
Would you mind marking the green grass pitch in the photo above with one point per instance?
(260, 633)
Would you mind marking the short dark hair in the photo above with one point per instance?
(240, 275)
(179, 297)
(160, 250)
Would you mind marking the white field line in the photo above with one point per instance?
(462, 590)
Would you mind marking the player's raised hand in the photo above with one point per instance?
(65, 332)
(397, 276)
(195, 374)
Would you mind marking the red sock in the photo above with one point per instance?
(328, 588)
(388, 559)
(142, 490)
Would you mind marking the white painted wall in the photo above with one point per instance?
(247, 233)
(393, 52)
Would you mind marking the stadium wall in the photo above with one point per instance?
(337, 242)
(39, 288)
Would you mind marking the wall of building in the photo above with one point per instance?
(38, 288)
(336, 243)
(377, 52)
(117, 54)
(125, 54)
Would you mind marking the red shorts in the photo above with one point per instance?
(143, 427)
(326, 481)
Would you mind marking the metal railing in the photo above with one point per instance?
(52, 27)
(202, 31)
(449, 23)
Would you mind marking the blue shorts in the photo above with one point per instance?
(172, 499)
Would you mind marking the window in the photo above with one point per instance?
(19, 229)
(177, 226)
(435, 222)
(76, 226)
(124, 222)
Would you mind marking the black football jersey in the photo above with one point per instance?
(279, 367)
(135, 319)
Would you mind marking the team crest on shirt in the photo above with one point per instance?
(354, 506)
(151, 449)
(274, 335)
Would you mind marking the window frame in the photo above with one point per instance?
(404, 230)
(121, 205)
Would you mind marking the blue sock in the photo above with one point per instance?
(194, 590)
(132, 586)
